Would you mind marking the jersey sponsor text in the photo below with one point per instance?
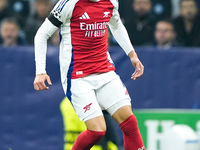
(94, 29)
(93, 26)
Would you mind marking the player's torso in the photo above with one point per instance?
(88, 31)
(90, 19)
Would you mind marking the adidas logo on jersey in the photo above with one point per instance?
(85, 16)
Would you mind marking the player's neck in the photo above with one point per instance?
(94, 0)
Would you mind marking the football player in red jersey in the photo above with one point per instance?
(87, 71)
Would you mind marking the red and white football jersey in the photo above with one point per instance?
(84, 42)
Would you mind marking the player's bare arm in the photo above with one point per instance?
(39, 82)
(139, 68)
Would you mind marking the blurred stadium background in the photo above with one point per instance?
(166, 100)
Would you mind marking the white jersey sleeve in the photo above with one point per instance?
(61, 12)
(58, 16)
(119, 31)
(45, 31)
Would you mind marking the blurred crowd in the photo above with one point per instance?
(162, 23)
(159, 23)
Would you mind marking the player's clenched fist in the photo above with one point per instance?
(39, 82)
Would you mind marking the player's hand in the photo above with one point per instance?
(39, 82)
(139, 68)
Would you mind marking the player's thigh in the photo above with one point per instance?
(83, 99)
(96, 124)
(122, 114)
(113, 95)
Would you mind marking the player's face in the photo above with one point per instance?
(142, 7)
(164, 33)
(189, 10)
(9, 32)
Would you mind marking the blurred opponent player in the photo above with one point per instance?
(87, 71)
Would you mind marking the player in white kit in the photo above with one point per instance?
(87, 71)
